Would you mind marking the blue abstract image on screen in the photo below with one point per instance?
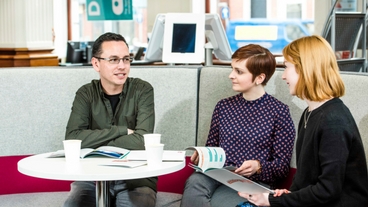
(183, 40)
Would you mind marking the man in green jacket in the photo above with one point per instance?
(114, 111)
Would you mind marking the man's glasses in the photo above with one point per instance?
(116, 60)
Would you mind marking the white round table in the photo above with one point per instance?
(90, 169)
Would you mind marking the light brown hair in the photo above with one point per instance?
(315, 62)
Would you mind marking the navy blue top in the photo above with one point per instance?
(261, 130)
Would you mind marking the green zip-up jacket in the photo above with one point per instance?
(92, 119)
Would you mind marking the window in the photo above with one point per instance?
(134, 30)
(294, 11)
(293, 31)
(256, 32)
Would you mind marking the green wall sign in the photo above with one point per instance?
(109, 10)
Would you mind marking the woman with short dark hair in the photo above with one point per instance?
(254, 129)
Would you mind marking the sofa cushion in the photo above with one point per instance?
(51, 199)
(54, 199)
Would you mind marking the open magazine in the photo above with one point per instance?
(107, 151)
(167, 156)
(211, 163)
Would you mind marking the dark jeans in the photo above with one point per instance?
(201, 190)
(83, 193)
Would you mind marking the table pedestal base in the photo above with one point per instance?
(102, 194)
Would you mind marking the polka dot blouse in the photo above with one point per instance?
(261, 130)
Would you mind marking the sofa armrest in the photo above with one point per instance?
(286, 182)
(175, 182)
(15, 182)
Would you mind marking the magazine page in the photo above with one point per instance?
(110, 151)
(61, 153)
(107, 151)
(237, 182)
(168, 155)
(85, 151)
(209, 157)
(125, 163)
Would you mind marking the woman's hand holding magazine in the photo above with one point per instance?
(194, 158)
(211, 162)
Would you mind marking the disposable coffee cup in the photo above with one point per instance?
(152, 139)
(72, 150)
(154, 154)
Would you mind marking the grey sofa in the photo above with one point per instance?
(35, 106)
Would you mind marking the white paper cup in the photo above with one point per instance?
(154, 154)
(152, 139)
(72, 150)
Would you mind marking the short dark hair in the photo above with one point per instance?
(109, 36)
(259, 60)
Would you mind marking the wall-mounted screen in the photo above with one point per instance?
(183, 38)
(155, 42)
(216, 35)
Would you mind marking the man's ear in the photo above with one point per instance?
(96, 64)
